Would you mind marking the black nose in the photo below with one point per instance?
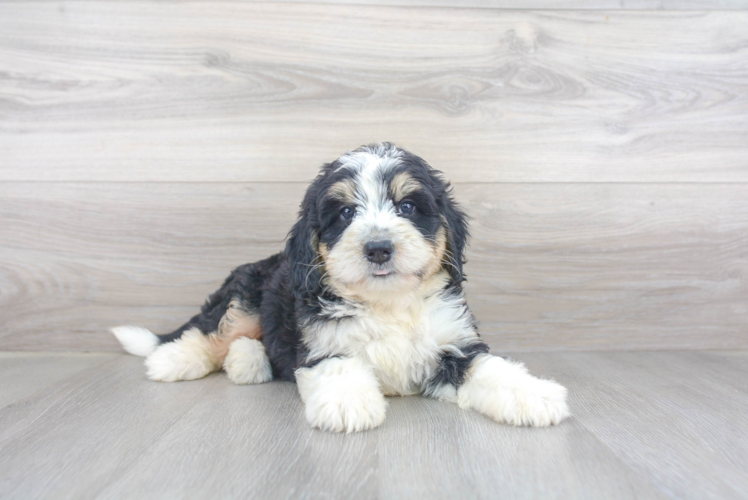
(379, 252)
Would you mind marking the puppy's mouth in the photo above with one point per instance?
(383, 273)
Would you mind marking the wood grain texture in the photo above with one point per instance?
(454, 453)
(602, 266)
(236, 91)
(24, 374)
(552, 4)
(551, 266)
(644, 425)
(77, 437)
(663, 415)
(522, 4)
(259, 446)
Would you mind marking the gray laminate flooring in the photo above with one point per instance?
(644, 425)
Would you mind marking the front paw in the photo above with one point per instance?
(537, 402)
(341, 395)
(505, 392)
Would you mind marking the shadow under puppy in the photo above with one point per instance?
(365, 301)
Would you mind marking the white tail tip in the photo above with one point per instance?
(136, 340)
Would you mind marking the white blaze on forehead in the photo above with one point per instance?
(361, 156)
(371, 193)
(370, 169)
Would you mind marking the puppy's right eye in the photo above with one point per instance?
(347, 213)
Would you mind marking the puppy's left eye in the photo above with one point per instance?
(407, 208)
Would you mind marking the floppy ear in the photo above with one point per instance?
(457, 230)
(453, 218)
(302, 245)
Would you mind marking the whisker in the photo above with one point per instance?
(313, 267)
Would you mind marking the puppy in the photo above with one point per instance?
(365, 301)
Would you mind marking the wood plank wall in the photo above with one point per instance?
(147, 148)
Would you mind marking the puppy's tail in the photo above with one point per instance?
(136, 340)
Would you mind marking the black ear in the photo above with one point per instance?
(457, 229)
(302, 245)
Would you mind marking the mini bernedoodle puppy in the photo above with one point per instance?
(365, 301)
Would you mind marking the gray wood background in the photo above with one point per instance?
(147, 148)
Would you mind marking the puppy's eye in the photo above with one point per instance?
(407, 208)
(347, 213)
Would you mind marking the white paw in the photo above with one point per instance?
(187, 358)
(505, 392)
(341, 395)
(247, 362)
(539, 403)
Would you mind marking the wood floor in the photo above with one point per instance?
(644, 425)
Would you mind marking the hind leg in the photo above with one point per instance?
(238, 344)
(247, 362)
(194, 355)
(188, 358)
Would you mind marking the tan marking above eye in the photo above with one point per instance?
(344, 191)
(402, 185)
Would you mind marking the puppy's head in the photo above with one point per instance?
(378, 221)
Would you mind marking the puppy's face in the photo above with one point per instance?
(380, 226)
(383, 223)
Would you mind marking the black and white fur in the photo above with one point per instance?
(365, 301)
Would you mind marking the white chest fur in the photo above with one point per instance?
(402, 341)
